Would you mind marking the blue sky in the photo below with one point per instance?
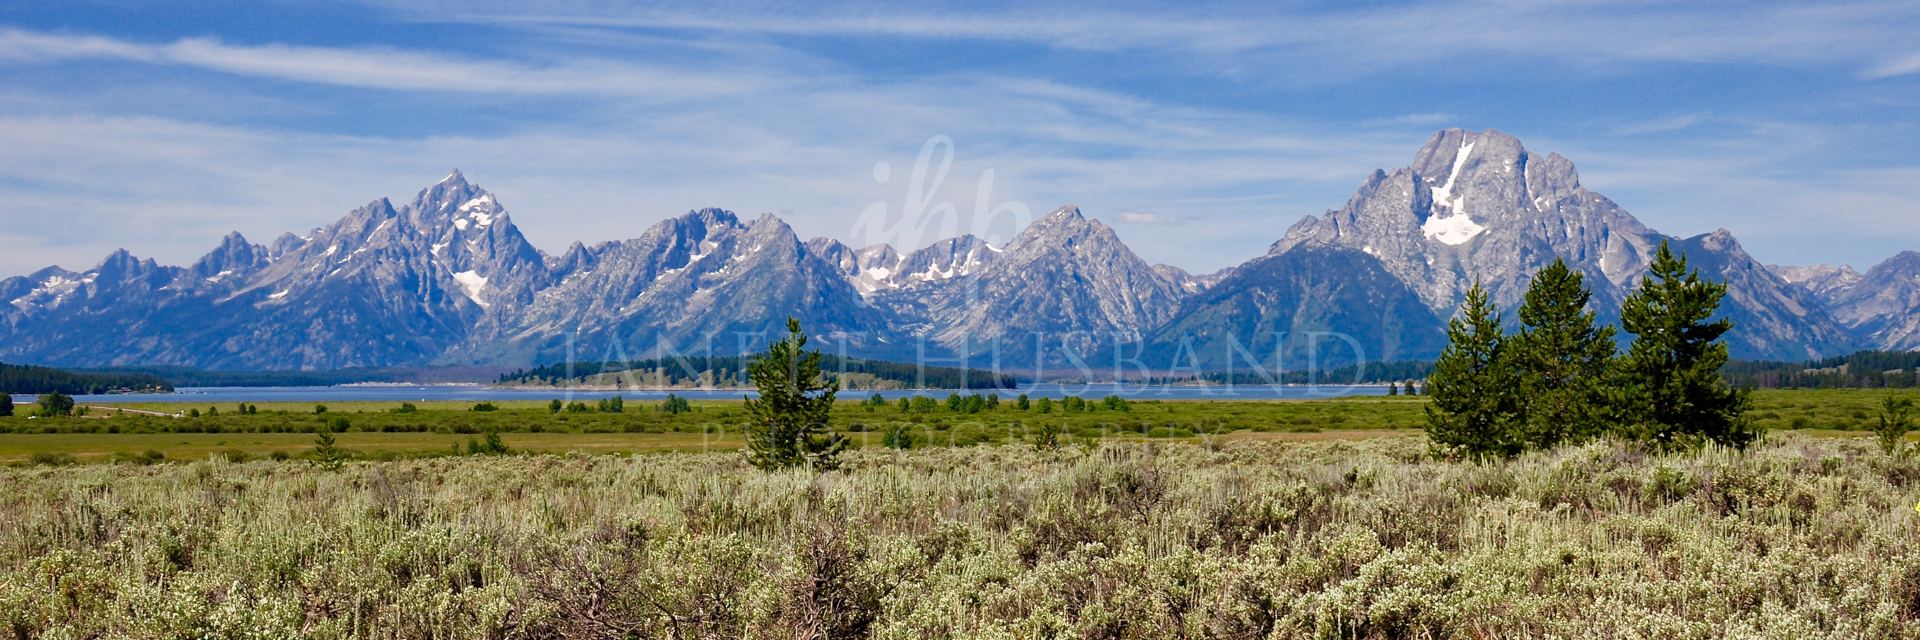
(1199, 131)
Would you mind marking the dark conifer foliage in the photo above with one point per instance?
(1473, 410)
(1667, 390)
(28, 379)
(1560, 356)
(787, 424)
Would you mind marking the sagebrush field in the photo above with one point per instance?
(1148, 520)
(1797, 538)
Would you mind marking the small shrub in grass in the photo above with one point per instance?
(485, 406)
(53, 459)
(898, 436)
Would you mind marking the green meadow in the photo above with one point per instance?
(387, 430)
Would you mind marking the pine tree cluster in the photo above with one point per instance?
(1560, 380)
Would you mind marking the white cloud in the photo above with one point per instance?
(1413, 119)
(1145, 217)
(1339, 40)
(384, 67)
(1659, 125)
(1896, 67)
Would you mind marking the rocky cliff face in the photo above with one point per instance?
(1772, 318)
(1313, 306)
(1822, 280)
(1479, 205)
(380, 287)
(1064, 284)
(702, 281)
(1881, 307)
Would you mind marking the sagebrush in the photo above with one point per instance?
(1797, 537)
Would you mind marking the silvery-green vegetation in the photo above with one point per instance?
(1794, 538)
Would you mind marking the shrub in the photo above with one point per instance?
(485, 406)
(53, 459)
(54, 405)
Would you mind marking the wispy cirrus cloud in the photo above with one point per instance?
(384, 67)
(1909, 64)
(1343, 37)
(1147, 217)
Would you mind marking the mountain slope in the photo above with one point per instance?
(380, 287)
(1883, 307)
(702, 280)
(1065, 284)
(1770, 316)
(1299, 309)
(1479, 205)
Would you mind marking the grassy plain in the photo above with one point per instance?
(435, 428)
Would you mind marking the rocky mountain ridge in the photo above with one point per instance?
(1479, 205)
(448, 279)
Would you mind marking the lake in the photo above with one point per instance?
(478, 393)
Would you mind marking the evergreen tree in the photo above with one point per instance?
(1667, 390)
(1895, 422)
(325, 454)
(6, 405)
(1473, 408)
(787, 424)
(1561, 357)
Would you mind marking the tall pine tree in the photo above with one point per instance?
(1473, 407)
(1668, 391)
(787, 424)
(1561, 357)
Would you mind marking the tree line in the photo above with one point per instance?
(29, 379)
(1561, 378)
(1860, 370)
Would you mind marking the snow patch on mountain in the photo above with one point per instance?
(1457, 227)
(472, 284)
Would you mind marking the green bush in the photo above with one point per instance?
(52, 459)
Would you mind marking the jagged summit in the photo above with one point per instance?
(1480, 205)
(448, 279)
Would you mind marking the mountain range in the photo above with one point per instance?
(447, 279)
